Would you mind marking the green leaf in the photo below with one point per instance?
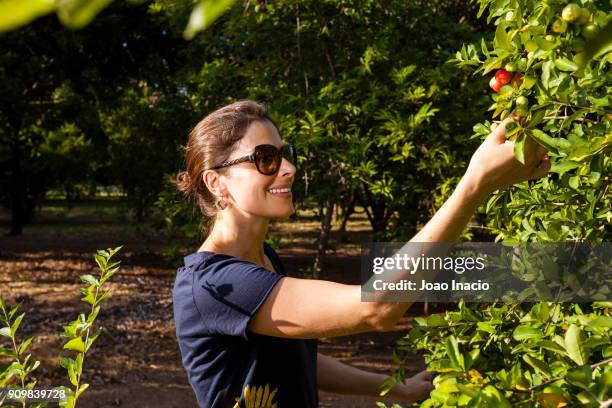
(524, 332)
(66, 362)
(90, 297)
(15, 13)
(5, 331)
(552, 346)
(103, 295)
(75, 344)
(563, 166)
(538, 365)
(501, 39)
(72, 376)
(436, 321)
(16, 324)
(550, 143)
(89, 279)
(519, 148)
(101, 261)
(24, 345)
(77, 14)
(108, 275)
(574, 345)
(601, 322)
(546, 73)
(452, 349)
(565, 65)
(81, 390)
(204, 14)
(580, 376)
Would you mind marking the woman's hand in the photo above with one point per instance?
(493, 165)
(413, 389)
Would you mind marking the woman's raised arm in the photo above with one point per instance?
(303, 308)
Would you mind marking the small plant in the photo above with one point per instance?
(20, 367)
(80, 334)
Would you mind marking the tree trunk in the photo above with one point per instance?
(16, 190)
(376, 210)
(323, 239)
(347, 211)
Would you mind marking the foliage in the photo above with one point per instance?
(80, 335)
(80, 332)
(76, 14)
(547, 354)
(20, 367)
(569, 114)
(56, 110)
(371, 110)
(504, 355)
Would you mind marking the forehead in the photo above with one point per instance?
(259, 133)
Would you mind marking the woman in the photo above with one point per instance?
(247, 333)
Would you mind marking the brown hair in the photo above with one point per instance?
(210, 143)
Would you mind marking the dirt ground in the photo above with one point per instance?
(136, 361)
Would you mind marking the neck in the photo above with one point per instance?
(238, 235)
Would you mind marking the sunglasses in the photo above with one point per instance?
(267, 158)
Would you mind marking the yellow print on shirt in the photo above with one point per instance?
(258, 397)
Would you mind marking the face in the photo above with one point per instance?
(248, 191)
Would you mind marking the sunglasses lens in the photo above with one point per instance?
(288, 153)
(267, 159)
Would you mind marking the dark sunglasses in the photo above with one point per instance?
(267, 158)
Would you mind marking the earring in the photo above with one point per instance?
(221, 204)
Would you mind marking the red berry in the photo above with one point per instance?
(494, 84)
(503, 76)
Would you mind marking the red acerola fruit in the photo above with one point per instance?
(495, 85)
(503, 76)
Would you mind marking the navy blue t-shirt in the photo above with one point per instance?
(215, 295)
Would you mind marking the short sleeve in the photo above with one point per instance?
(229, 292)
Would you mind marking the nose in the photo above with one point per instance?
(287, 169)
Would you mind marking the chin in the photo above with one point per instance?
(283, 213)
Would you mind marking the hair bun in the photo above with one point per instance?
(183, 183)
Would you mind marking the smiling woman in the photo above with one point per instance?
(247, 332)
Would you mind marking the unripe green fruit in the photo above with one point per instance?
(511, 67)
(510, 16)
(578, 45)
(580, 58)
(506, 90)
(521, 102)
(522, 64)
(571, 12)
(559, 26)
(585, 16)
(550, 38)
(589, 31)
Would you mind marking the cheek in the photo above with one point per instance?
(248, 190)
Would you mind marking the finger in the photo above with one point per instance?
(498, 135)
(425, 375)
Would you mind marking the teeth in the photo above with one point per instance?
(280, 190)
